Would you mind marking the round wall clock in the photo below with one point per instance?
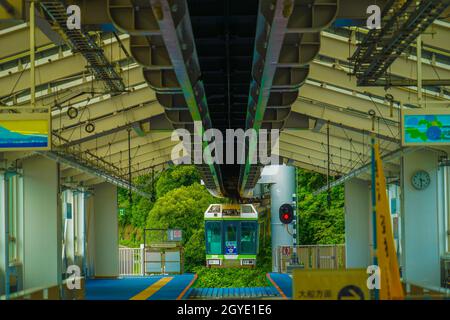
(421, 180)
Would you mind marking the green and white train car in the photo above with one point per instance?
(231, 234)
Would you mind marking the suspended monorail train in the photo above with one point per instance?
(231, 232)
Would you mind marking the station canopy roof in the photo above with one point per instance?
(336, 138)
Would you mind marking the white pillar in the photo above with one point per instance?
(79, 219)
(106, 256)
(69, 215)
(420, 220)
(2, 235)
(281, 191)
(42, 223)
(90, 234)
(358, 234)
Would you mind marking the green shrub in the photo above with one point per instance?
(230, 277)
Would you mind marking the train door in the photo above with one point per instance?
(231, 236)
(213, 237)
(249, 238)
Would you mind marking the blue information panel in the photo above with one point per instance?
(426, 127)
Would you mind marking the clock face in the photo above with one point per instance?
(421, 180)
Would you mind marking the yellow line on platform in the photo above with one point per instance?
(147, 293)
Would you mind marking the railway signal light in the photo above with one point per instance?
(286, 213)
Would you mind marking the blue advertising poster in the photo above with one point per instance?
(18, 132)
(426, 129)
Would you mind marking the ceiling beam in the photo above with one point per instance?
(339, 47)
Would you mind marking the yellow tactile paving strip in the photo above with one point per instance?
(151, 290)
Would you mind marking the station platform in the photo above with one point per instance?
(179, 287)
(280, 286)
(282, 282)
(233, 293)
(172, 287)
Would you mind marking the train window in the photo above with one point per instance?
(248, 237)
(247, 208)
(213, 238)
(214, 209)
(231, 238)
(230, 212)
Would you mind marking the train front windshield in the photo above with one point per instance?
(231, 237)
(249, 237)
(213, 237)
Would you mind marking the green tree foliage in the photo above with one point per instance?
(175, 177)
(181, 202)
(319, 223)
(229, 277)
(135, 215)
(184, 208)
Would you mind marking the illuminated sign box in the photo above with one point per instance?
(25, 131)
(430, 126)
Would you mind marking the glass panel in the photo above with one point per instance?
(248, 237)
(12, 219)
(213, 238)
(215, 209)
(247, 208)
(231, 239)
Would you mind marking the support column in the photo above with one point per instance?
(358, 233)
(80, 232)
(3, 244)
(90, 234)
(281, 191)
(106, 256)
(420, 220)
(69, 214)
(42, 223)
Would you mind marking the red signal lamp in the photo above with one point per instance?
(286, 213)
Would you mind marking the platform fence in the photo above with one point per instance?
(131, 261)
(312, 256)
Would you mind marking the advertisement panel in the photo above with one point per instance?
(25, 131)
(428, 126)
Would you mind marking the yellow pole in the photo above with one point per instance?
(32, 55)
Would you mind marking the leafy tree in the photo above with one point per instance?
(133, 216)
(175, 177)
(319, 223)
(184, 208)
(135, 213)
(230, 277)
(194, 250)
